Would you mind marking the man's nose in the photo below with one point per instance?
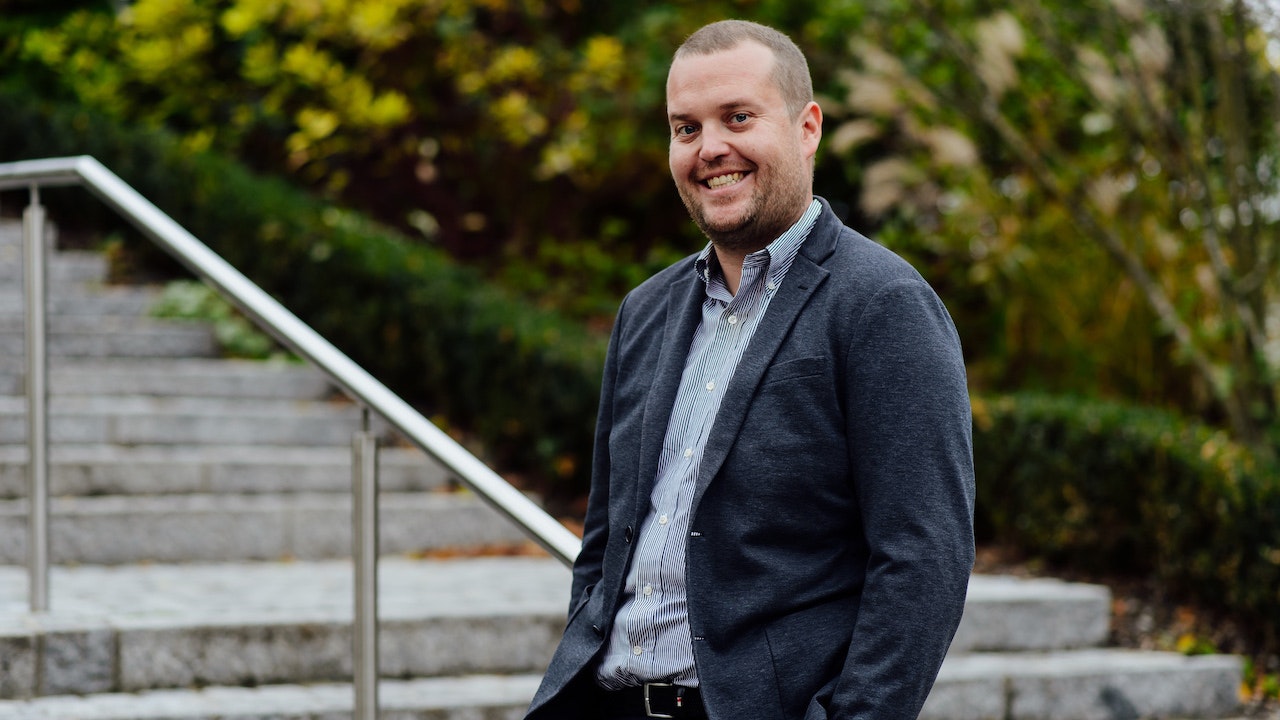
(714, 143)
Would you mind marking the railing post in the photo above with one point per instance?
(37, 405)
(364, 540)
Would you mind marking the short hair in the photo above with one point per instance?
(790, 68)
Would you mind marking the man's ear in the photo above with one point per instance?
(810, 128)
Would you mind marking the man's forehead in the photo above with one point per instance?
(746, 48)
(685, 51)
(700, 73)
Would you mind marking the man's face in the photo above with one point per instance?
(740, 160)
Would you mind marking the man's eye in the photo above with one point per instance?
(685, 130)
(739, 117)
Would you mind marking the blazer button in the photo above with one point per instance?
(597, 630)
(629, 533)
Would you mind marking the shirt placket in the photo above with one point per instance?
(670, 513)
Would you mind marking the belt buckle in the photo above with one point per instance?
(648, 710)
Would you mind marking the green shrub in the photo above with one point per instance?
(521, 380)
(1116, 489)
(236, 334)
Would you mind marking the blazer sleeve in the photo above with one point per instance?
(909, 431)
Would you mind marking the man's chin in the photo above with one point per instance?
(731, 231)
(742, 235)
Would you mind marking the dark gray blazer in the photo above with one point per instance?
(831, 532)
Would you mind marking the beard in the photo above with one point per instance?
(776, 203)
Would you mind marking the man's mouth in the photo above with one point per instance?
(720, 181)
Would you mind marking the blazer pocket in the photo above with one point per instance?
(798, 368)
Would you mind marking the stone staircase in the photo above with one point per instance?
(201, 530)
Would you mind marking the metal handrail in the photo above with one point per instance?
(272, 316)
(299, 337)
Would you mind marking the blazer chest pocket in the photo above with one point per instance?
(804, 367)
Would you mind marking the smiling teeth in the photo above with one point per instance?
(722, 180)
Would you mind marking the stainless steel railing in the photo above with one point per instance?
(299, 337)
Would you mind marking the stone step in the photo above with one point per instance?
(11, 228)
(62, 268)
(73, 324)
(495, 697)
(470, 697)
(95, 301)
(134, 628)
(1006, 613)
(213, 528)
(282, 597)
(145, 420)
(88, 470)
(1096, 684)
(145, 628)
(179, 377)
(152, 338)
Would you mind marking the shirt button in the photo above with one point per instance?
(688, 452)
(733, 319)
(772, 285)
(711, 385)
(637, 650)
(662, 520)
(648, 590)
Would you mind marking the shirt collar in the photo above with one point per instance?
(778, 254)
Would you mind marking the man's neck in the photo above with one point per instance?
(730, 259)
(730, 262)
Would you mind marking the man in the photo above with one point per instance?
(780, 518)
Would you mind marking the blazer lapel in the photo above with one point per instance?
(802, 280)
(684, 311)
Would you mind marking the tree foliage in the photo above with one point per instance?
(469, 124)
(1092, 185)
(1100, 169)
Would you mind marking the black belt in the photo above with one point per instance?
(656, 700)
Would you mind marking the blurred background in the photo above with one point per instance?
(459, 193)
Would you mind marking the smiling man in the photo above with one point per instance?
(780, 523)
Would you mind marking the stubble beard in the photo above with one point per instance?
(773, 208)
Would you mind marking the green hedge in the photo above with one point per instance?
(521, 380)
(1117, 489)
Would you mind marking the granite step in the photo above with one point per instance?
(1006, 613)
(95, 470)
(11, 231)
(62, 268)
(141, 629)
(277, 599)
(148, 420)
(1093, 684)
(1134, 690)
(179, 377)
(470, 697)
(72, 324)
(114, 530)
(92, 301)
(149, 338)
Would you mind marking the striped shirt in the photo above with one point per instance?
(651, 639)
